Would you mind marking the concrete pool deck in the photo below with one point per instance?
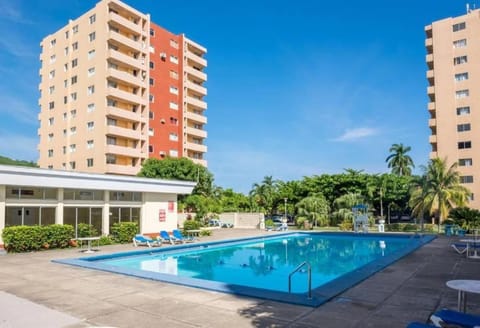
(34, 289)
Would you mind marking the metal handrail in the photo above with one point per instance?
(309, 277)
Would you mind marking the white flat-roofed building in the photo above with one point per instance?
(32, 196)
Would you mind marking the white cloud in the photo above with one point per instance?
(9, 11)
(18, 109)
(357, 133)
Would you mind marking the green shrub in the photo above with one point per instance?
(346, 225)
(409, 227)
(205, 232)
(33, 238)
(124, 232)
(191, 225)
(269, 223)
(106, 240)
(394, 227)
(86, 230)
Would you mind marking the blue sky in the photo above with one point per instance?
(295, 88)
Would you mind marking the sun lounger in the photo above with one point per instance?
(178, 235)
(460, 248)
(139, 240)
(419, 325)
(168, 238)
(446, 317)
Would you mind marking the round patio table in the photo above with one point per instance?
(463, 287)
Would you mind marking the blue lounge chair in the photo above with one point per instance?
(460, 248)
(451, 317)
(419, 325)
(139, 240)
(178, 235)
(167, 238)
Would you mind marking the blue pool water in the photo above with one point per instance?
(261, 266)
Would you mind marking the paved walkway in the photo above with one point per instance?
(33, 289)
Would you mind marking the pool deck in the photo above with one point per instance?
(34, 292)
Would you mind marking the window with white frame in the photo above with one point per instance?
(466, 179)
(173, 44)
(64, 150)
(73, 148)
(53, 58)
(50, 136)
(72, 165)
(65, 67)
(173, 59)
(89, 144)
(461, 76)
(89, 162)
(90, 108)
(73, 96)
(66, 51)
(463, 127)
(174, 90)
(50, 153)
(464, 144)
(75, 29)
(92, 18)
(173, 137)
(91, 71)
(460, 43)
(91, 36)
(173, 105)
(91, 90)
(173, 153)
(53, 43)
(51, 89)
(90, 126)
(463, 111)
(51, 75)
(465, 162)
(459, 26)
(151, 132)
(91, 54)
(174, 75)
(461, 94)
(64, 115)
(73, 113)
(75, 46)
(73, 130)
(460, 60)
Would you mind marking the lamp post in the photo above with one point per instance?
(285, 199)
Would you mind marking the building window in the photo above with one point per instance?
(460, 43)
(50, 153)
(111, 103)
(111, 140)
(150, 115)
(173, 121)
(73, 148)
(66, 51)
(151, 131)
(53, 58)
(91, 71)
(73, 113)
(90, 108)
(151, 98)
(75, 46)
(73, 130)
(50, 136)
(74, 63)
(152, 81)
(75, 29)
(91, 90)
(51, 89)
(174, 75)
(173, 137)
(53, 43)
(173, 153)
(89, 162)
(174, 44)
(150, 148)
(111, 121)
(174, 90)
(65, 83)
(173, 59)
(72, 165)
(461, 76)
(463, 111)
(173, 105)
(51, 75)
(65, 67)
(73, 80)
(465, 162)
(463, 127)
(459, 26)
(111, 159)
(92, 18)
(461, 94)
(152, 32)
(66, 34)
(90, 126)
(151, 65)
(73, 96)
(460, 60)
(91, 54)
(91, 36)
(466, 179)
(112, 84)
(51, 105)
(64, 115)
(464, 144)
(89, 144)
(64, 150)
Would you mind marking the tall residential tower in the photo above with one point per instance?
(117, 89)
(453, 60)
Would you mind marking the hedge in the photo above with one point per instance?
(124, 232)
(33, 238)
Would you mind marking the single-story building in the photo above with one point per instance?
(33, 196)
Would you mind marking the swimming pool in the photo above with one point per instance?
(261, 267)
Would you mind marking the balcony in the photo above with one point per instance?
(125, 151)
(196, 132)
(195, 87)
(432, 122)
(131, 26)
(127, 96)
(125, 59)
(432, 139)
(431, 90)
(125, 114)
(430, 74)
(196, 147)
(202, 162)
(196, 117)
(126, 133)
(431, 105)
(197, 59)
(195, 72)
(122, 169)
(134, 45)
(429, 58)
(196, 102)
(125, 77)
(429, 42)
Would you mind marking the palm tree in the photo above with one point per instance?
(344, 205)
(314, 209)
(264, 194)
(438, 191)
(399, 161)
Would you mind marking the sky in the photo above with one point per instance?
(295, 88)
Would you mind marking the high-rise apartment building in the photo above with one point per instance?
(453, 60)
(117, 89)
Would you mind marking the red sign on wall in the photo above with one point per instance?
(162, 215)
(171, 207)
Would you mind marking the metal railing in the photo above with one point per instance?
(309, 270)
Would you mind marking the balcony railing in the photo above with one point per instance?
(132, 44)
(126, 133)
(127, 96)
(431, 105)
(196, 147)
(122, 21)
(125, 59)
(126, 77)
(125, 151)
(195, 72)
(125, 114)
(196, 132)
(197, 59)
(196, 102)
(122, 169)
(195, 87)
(430, 90)
(429, 58)
(432, 122)
(196, 117)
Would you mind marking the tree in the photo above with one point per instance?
(179, 169)
(265, 194)
(438, 191)
(400, 163)
(343, 207)
(314, 209)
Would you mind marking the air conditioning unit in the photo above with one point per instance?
(162, 153)
(163, 55)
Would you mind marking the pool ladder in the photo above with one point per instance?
(309, 268)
